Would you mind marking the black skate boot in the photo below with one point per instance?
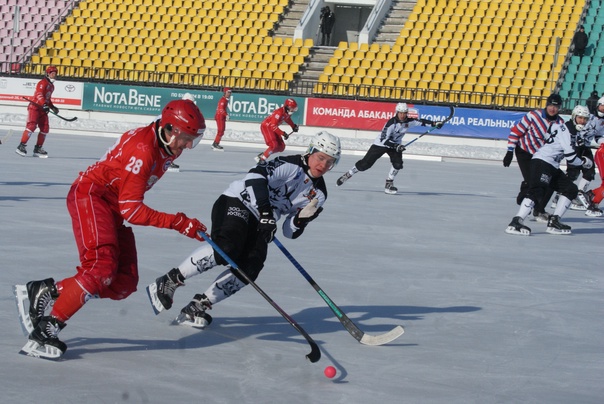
(516, 226)
(217, 147)
(390, 188)
(194, 314)
(343, 178)
(554, 226)
(21, 150)
(161, 292)
(40, 152)
(41, 295)
(43, 341)
(541, 217)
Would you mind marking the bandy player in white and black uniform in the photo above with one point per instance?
(244, 222)
(389, 142)
(545, 173)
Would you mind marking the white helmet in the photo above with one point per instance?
(402, 107)
(600, 102)
(327, 143)
(580, 110)
(188, 96)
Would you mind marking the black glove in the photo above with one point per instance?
(438, 125)
(286, 136)
(296, 128)
(308, 214)
(55, 110)
(267, 225)
(400, 148)
(579, 141)
(45, 108)
(507, 160)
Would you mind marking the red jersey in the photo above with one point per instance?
(129, 169)
(44, 90)
(275, 119)
(221, 109)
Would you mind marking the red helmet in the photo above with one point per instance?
(291, 105)
(51, 69)
(226, 89)
(184, 115)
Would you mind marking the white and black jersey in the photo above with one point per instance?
(558, 146)
(283, 184)
(394, 130)
(593, 131)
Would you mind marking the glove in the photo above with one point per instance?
(308, 214)
(438, 125)
(580, 141)
(507, 160)
(45, 108)
(400, 148)
(286, 136)
(587, 163)
(296, 128)
(188, 227)
(267, 225)
(55, 110)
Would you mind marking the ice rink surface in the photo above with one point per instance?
(489, 317)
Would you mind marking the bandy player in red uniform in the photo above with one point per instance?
(273, 136)
(37, 115)
(221, 116)
(108, 193)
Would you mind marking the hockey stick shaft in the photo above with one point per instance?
(431, 129)
(315, 353)
(348, 324)
(6, 137)
(51, 111)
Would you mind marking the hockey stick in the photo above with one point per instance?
(434, 127)
(351, 327)
(6, 137)
(315, 353)
(51, 111)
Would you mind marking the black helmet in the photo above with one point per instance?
(554, 99)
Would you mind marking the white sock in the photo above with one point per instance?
(392, 174)
(526, 207)
(198, 262)
(225, 285)
(563, 204)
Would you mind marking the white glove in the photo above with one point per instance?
(309, 213)
(587, 163)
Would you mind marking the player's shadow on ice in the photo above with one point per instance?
(316, 321)
(402, 192)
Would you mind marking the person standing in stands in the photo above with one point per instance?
(37, 114)
(580, 41)
(592, 102)
(328, 20)
(222, 115)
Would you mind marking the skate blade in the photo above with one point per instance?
(521, 232)
(198, 322)
(173, 170)
(577, 207)
(22, 300)
(389, 192)
(220, 150)
(593, 213)
(557, 232)
(41, 156)
(35, 350)
(156, 304)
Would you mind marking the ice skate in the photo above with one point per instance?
(516, 226)
(554, 226)
(194, 314)
(541, 217)
(43, 341)
(578, 203)
(21, 150)
(33, 300)
(343, 178)
(161, 292)
(390, 189)
(259, 158)
(40, 152)
(217, 147)
(174, 168)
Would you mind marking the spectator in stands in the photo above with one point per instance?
(37, 114)
(222, 115)
(328, 19)
(580, 41)
(592, 102)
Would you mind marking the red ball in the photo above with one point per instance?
(330, 372)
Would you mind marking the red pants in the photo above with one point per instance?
(108, 260)
(220, 128)
(274, 142)
(36, 117)
(599, 160)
